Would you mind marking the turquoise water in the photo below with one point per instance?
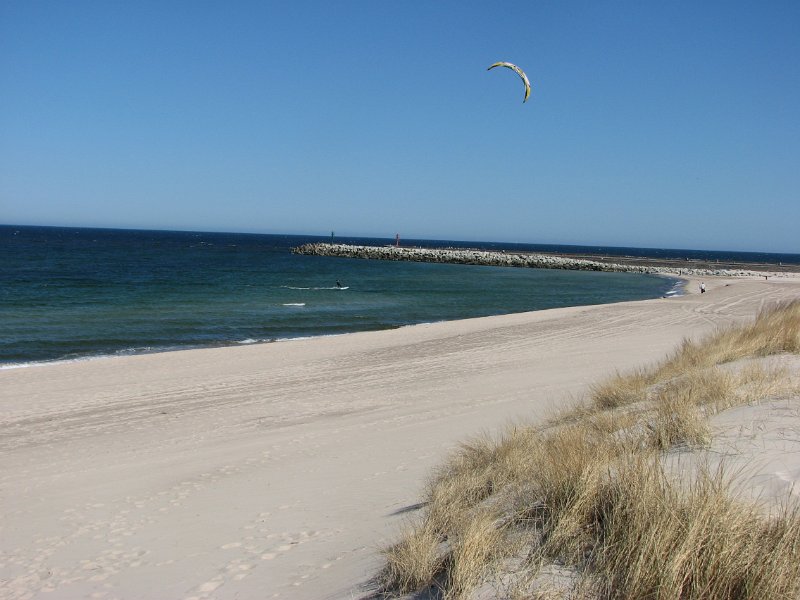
(77, 293)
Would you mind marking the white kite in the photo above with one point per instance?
(519, 72)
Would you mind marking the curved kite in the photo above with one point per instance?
(519, 72)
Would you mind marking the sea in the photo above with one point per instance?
(77, 294)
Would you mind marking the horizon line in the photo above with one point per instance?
(392, 238)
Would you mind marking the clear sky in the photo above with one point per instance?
(657, 124)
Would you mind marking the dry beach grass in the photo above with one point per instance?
(589, 491)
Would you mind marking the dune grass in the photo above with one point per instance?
(588, 490)
(655, 539)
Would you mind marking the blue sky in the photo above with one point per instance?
(657, 124)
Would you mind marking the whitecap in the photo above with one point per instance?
(331, 287)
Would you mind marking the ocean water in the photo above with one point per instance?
(68, 293)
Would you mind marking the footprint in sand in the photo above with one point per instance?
(209, 586)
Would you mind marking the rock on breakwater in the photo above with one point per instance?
(505, 259)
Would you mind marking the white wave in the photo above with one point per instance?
(22, 365)
(309, 337)
(294, 304)
(332, 287)
(57, 361)
(136, 350)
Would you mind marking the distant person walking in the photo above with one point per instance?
(703, 287)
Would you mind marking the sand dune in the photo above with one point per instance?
(276, 470)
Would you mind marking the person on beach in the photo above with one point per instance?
(702, 287)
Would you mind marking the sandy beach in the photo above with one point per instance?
(278, 470)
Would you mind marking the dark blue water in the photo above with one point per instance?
(70, 293)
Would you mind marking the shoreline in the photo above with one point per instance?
(170, 350)
(582, 262)
(280, 469)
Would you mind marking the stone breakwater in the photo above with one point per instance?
(506, 259)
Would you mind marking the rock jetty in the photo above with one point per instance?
(503, 259)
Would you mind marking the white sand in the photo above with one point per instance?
(277, 470)
(756, 446)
